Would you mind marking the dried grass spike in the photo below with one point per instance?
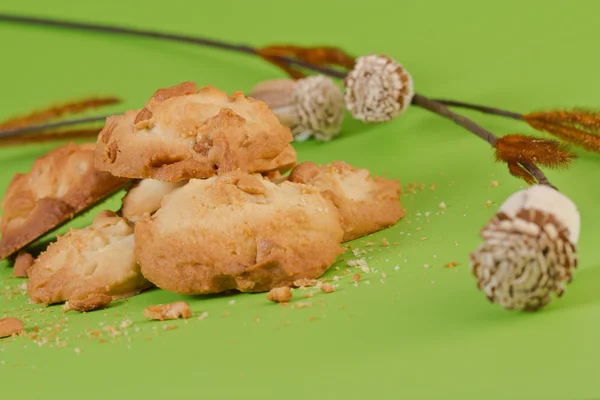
(587, 140)
(522, 149)
(58, 111)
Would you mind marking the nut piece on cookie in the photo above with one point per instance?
(23, 262)
(93, 302)
(184, 132)
(367, 204)
(95, 260)
(179, 309)
(280, 295)
(60, 184)
(238, 231)
(145, 196)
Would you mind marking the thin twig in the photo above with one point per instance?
(6, 133)
(419, 100)
(442, 110)
(483, 109)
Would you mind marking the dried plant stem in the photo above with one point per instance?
(441, 109)
(419, 100)
(483, 109)
(40, 137)
(13, 132)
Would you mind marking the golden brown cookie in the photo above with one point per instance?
(60, 184)
(367, 204)
(97, 260)
(184, 132)
(145, 196)
(238, 231)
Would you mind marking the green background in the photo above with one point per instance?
(418, 333)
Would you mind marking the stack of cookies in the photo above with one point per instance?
(210, 208)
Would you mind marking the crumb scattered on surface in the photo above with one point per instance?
(327, 288)
(442, 205)
(280, 295)
(356, 278)
(10, 327)
(433, 187)
(426, 266)
(488, 204)
(494, 184)
(169, 327)
(202, 316)
(451, 264)
(179, 309)
(385, 242)
(303, 304)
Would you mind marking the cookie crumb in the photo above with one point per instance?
(169, 327)
(433, 187)
(488, 204)
(280, 295)
(451, 264)
(178, 309)
(494, 184)
(426, 266)
(304, 304)
(442, 205)
(203, 316)
(356, 278)
(327, 288)
(385, 242)
(10, 327)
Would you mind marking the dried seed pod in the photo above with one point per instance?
(312, 106)
(529, 249)
(378, 89)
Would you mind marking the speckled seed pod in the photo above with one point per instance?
(378, 89)
(312, 106)
(529, 250)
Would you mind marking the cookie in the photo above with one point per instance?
(366, 204)
(145, 196)
(238, 231)
(60, 184)
(96, 260)
(184, 132)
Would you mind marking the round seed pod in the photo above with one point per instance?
(529, 249)
(311, 106)
(378, 89)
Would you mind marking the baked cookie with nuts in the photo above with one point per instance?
(184, 132)
(366, 203)
(97, 260)
(60, 184)
(238, 231)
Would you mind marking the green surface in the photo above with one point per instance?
(417, 333)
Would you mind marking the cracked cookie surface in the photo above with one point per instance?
(184, 132)
(59, 185)
(238, 231)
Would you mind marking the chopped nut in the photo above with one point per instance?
(94, 302)
(327, 288)
(356, 278)
(304, 282)
(179, 309)
(10, 327)
(22, 264)
(280, 295)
